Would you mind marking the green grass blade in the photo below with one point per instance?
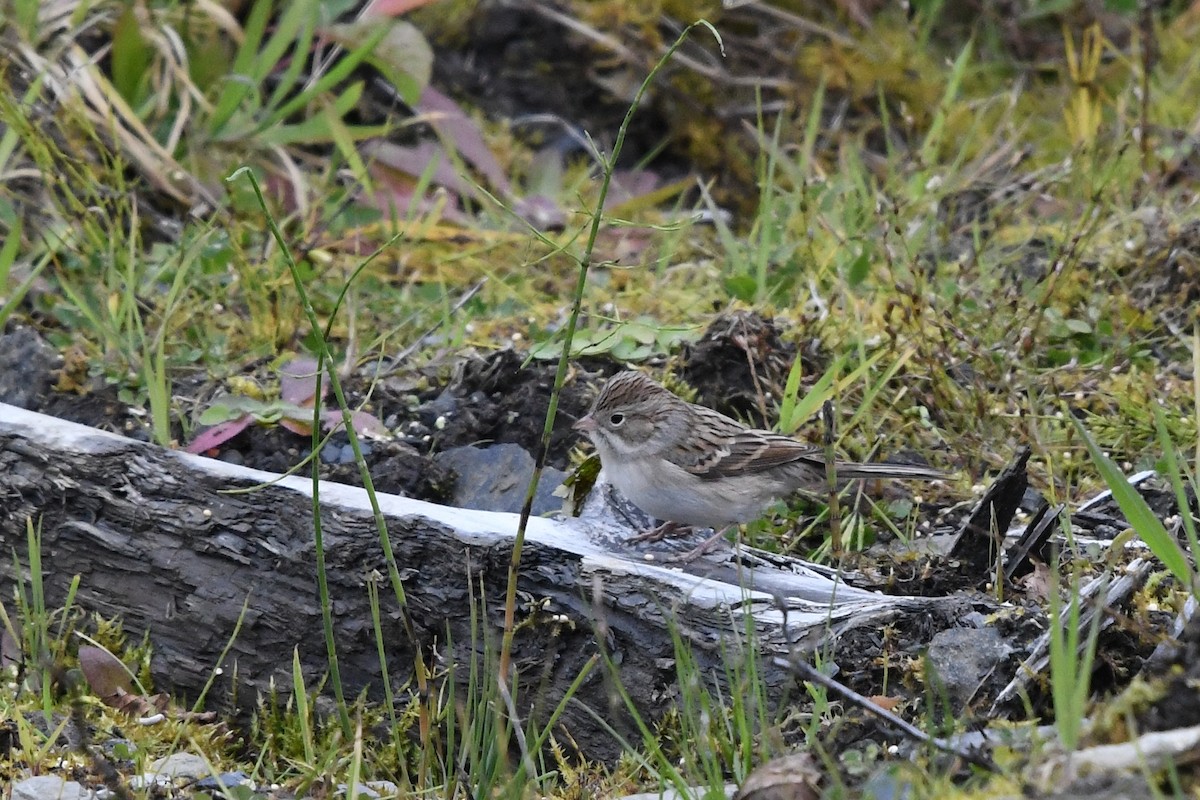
(1138, 512)
(239, 83)
(1176, 476)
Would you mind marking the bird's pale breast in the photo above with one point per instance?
(668, 492)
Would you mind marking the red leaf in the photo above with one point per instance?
(296, 426)
(454, 126)
(363, 423)
(217, 435)
(298, 381)
(415, 161)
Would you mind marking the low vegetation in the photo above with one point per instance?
(971, 234)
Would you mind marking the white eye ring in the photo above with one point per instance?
(616, 419)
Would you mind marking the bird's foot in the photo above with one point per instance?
(702, 548)
(666, 530)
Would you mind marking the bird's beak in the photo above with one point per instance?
(585, 424)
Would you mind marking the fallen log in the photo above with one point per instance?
(158, 539)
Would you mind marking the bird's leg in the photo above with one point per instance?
(663, 531)
(703, 547)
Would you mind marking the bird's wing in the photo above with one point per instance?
(724, 447)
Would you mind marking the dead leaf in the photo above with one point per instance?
(884, 702)
(104, 672)
(791, 777)
(1036, 584)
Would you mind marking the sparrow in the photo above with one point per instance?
(688, 465)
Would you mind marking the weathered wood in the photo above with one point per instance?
(982, 534)
(158, 539)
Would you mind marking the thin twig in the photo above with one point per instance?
(807, 672)
(828, 415)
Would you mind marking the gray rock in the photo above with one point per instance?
(1107, 787)
(226, 780)
(180, 765)
(46, 787)
(962, 658)
(495, 478)
(27, 365)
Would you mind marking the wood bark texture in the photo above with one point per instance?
(214, 559)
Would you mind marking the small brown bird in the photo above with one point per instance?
(687, 464)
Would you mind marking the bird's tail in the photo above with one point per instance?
(852, 470)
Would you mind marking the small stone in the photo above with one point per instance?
(27, 364)
(46, 787)
(226, 780)
(963, 657)
(496, 478)
(180, 765)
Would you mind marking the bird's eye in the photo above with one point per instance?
(616, 419)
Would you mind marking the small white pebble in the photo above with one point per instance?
(516, 337)
(207, 512)
(1152, 606)
(440, 422)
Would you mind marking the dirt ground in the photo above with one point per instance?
(500, 398)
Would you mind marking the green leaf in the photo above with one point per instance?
(131, 55)
(403, 55)
(300, 32)
(339, 72)
(1175, 473)
(238, 83)
(1078, 326)
(1138, 512)
(217, 413)
(795, 411)
(743, 287)
(859, 269)
(231, 407)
